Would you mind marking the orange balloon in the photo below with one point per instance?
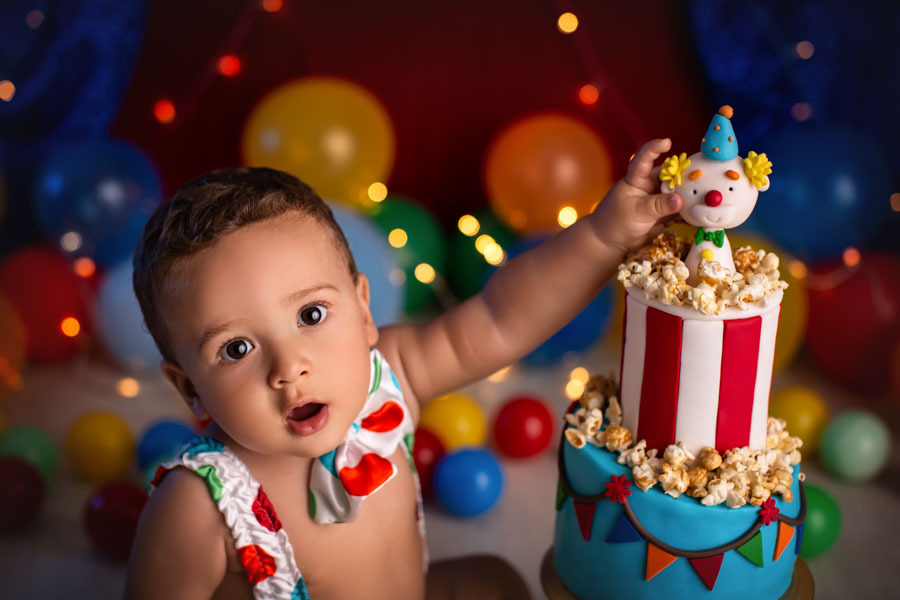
(12, 347)
(541, 164)
(333, 134)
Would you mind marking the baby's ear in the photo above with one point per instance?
(362, 295)
(185, 387)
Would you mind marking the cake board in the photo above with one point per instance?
(802, 586)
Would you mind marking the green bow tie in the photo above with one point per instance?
(716, 237)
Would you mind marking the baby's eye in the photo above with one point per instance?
(235, 350)
(312, 315)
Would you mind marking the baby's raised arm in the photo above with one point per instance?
(538, 292)
(179, 550)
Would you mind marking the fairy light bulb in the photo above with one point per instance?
(377, 192)
(70, 326)
(482, 241)
(397, 238)
(128, 387)
(468, 225)
(424, 273)
(164, 111)
(7, 90)
(567, 216)
(574, 389)
(567, 23)
(580, 374)
(588, 94)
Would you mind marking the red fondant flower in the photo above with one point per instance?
(617, 488)
(768, 512)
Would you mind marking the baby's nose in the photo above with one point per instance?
(713, 198)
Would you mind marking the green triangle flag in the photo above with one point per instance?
(753, 550)
(560, 495)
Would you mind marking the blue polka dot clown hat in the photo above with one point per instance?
(720, 143)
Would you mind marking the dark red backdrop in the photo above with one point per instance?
(451, 74)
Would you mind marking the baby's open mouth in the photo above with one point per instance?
(301, 413)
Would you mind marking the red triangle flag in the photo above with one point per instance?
(585, 514)
(657, 561)
(708, 569)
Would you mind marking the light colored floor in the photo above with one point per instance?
(55, 560)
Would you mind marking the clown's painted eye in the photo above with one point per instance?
(235, 350)
(312, 314)
(695, 192)
(731, 189)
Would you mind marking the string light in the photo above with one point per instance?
(397, 238)
(801, 111)
(574, 389)
(70, 326)
(494, 254)
(851, 256)
(499, 375)
(377, 192)
(567, 23)
(482, 241)
(70, 242)
(797, 269)
(424, 273)
(7, 90)
(805, 50)
(128, 387)
(164, 111)
(84, 267)
(589, 94)
(567, 216)
(229, 65)
(468, 225)
(580, 374)
(34, 18)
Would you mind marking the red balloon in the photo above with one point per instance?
(854, 320)
(21, 494)
(523, 427)
(44, 289)
(895, 368)
(111, 517)
(428, 450)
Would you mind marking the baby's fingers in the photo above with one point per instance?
(641, 166)
(657, 206)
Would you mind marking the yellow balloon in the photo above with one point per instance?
(331, 133)
(804, 411)
(542, 164)
(456, 419)
(100, 447)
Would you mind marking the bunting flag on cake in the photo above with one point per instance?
(799, 543)
(753, 550)
(623, 532)
(657, 561)
(708, 569)
(785, 535)
(584, 512)
(560, 495)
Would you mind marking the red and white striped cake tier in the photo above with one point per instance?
(699, 379)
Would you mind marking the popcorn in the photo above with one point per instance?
(746, 259)
(644, 476)
(634, 456)
(614, 411)
(597, 390)
(676, 454)
(718, 490)
(709, 458)
(615, 437)
(697, 480)
(575, 437)
(674, 480)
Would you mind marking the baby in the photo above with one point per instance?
(302, 484)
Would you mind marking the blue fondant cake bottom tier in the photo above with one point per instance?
(608, 546)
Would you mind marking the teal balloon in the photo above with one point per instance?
(425, 243)
(823, 522)
(855, 446)
(32, 445)
(467, 269)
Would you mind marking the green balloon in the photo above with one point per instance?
(467, 269)
(32, 445)
(823, 522)
(424, 243)
(855, 446)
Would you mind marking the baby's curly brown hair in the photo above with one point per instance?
(201, 213)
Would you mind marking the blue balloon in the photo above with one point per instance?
(162, 440)
(375, 258)
(579, 333)
(120, 323)
(103, 190)
(468, 482)
(830, 190)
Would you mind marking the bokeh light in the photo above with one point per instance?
(84, 267)
(229, 65)
(70, 326)
(482, 241)
(805, 50)
(128, 387)
(851, 256)
(425, 273)
(7, 90)
(494, 254)
(377, 192)
(574, 389)
(70, 241)
(567, 22)
(468, 225)
(397, 238)
(580, 374)
(272, 5)
(567, 216)
(801, 111)
(797, 269)
(164, 111)
(588, 94)
(34, 18)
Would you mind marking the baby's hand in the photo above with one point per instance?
(633, 211)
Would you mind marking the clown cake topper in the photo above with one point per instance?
(719, 190)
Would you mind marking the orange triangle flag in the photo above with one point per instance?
(785, 535)
(657, 560)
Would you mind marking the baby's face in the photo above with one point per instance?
(274, 335)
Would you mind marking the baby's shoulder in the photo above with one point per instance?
(182, 502)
